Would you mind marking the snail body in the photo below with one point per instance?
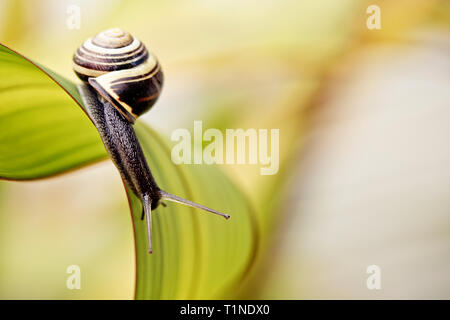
(121, 81)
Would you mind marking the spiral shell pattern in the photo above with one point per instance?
(121, 70)
(110, 50)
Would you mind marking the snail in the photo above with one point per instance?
(121, 80)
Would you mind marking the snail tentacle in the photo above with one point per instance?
(171, 197)
(147, 205)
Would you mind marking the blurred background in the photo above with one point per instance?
(364, 143)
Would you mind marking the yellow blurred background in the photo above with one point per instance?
(363, 118)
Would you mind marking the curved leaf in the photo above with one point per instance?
(196, 254)
(41, 134)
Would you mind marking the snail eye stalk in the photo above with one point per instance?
(147, 207)
(170, 197)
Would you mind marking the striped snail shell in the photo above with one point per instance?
(122, 71)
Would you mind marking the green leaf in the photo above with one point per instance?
(42, 133)
(196, 254)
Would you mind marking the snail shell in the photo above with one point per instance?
(122, 71)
